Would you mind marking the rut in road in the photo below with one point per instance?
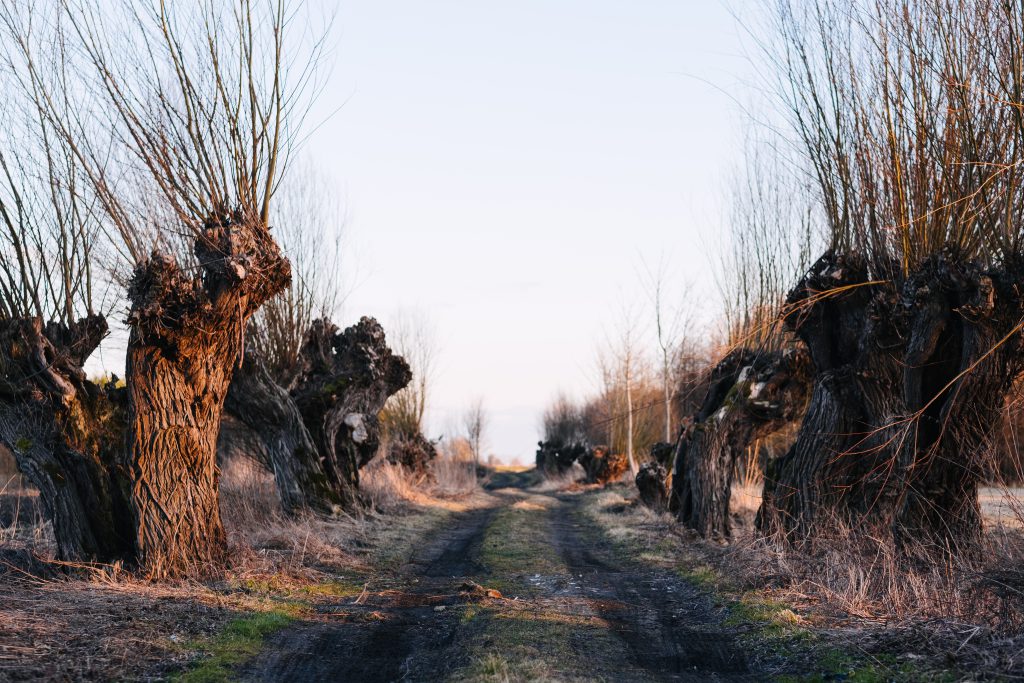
(571, 608)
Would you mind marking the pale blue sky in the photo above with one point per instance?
(505, 166)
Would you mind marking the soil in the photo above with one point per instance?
(524, 589)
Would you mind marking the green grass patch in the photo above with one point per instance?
(337, 588)
(240, 640)
(836, 665)
(516, 545)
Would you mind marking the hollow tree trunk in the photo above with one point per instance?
(185, 342)
(751, 394)
(269, 411)
(910, 376)
(344, 380)
(66, 436)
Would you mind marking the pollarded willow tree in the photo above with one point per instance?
(63, 430)
(909, 116)
(177, 122)
(760, 385)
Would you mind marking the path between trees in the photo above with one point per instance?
(523, 589)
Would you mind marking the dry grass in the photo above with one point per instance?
(856, 591)
(454, 477)
(104, 623)
(557, 482)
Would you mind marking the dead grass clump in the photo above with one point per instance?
(264, 540)
(454, 476)
(556, 481)
(23, 528)
(387, 486)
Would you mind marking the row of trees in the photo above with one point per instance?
(144, 152)
(898, 155)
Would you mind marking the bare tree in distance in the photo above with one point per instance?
(672, 324)
(475, 422)
(311, 219)
(414, 338)
(619, 363)
(773, 235)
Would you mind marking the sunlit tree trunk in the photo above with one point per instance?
(186, 340)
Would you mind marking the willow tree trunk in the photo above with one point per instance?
(186, 339)
(345, 379)
(751, 394)
(269, 411)
(910, 375)
(65, 434)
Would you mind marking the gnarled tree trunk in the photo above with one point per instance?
(270, 413)
(837, 462)
(751, 394)
(66, 434)
(186, 339)
(345, 378)
(318, 435)
(910, 376)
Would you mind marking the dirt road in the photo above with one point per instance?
(565, 604)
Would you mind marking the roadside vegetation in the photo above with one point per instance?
(827, 479)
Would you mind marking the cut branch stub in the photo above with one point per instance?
(651, 483)
(343, 382)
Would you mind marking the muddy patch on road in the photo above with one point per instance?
(672, 628)
(399, 628)
(525, 589)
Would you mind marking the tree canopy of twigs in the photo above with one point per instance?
(183, 112)
(909, 116)
(309, 219)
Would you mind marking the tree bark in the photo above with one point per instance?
(186, 339)
(751, 394)
(344, 380)
(910, 377)
(66, 435)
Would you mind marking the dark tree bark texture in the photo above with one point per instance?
(555, 458)
(652, 485)
(271, 416)
(66, 434)
(751, 394)
(910, 375)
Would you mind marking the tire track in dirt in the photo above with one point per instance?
(387, 635)
(575, 609)
(671, 627)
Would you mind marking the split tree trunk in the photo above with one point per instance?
(751, 395)
(270, 413)
(345, 378)
(186, 338)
